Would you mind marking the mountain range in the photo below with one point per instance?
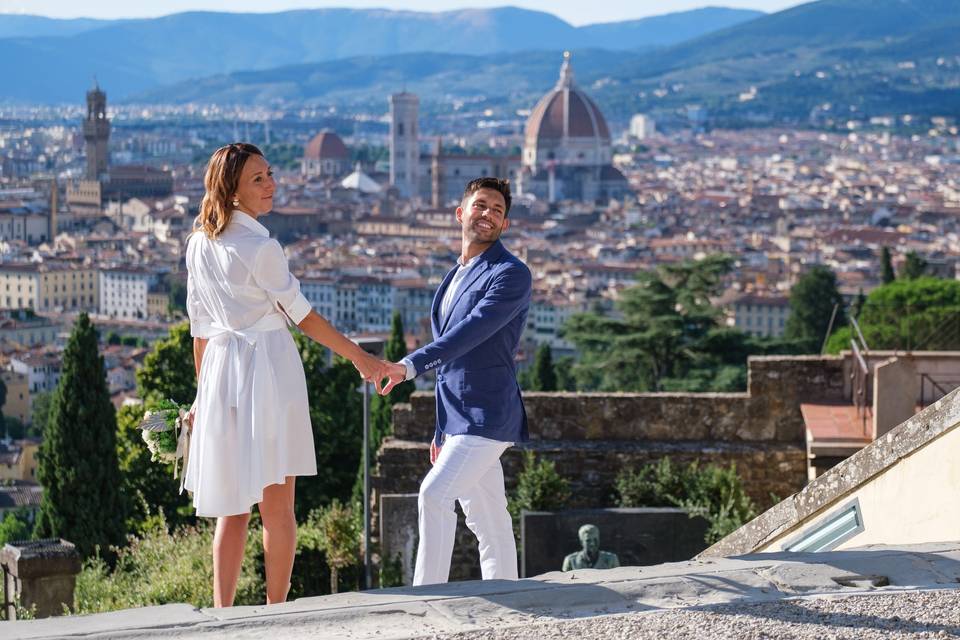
(47, 60)
(847, 58)
(843, 58)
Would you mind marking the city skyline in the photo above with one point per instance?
(575, 13)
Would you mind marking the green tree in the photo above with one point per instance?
(543, 376)
(150, 488)
(858, 303)
(919, 314)
(812, 301)
(665, 330)
(3, 403)
(168, 371)
(887, 274)
(78, 458)
(39, 413)
(381, 407)
(566, 381)
(177, 298)
(914, 266)
(15, 525)
(15, 428)
(336, 413)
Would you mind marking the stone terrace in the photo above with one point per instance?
(592, 436)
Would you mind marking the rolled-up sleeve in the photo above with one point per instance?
(271, 272)
(200, 319)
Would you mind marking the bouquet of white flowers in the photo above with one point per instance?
(166, 429)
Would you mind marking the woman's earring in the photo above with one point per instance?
(236, 203)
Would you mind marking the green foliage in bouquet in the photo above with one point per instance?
(162, 444)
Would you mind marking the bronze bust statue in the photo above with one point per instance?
(590, 557)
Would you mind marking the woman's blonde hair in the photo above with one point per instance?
(221, 181)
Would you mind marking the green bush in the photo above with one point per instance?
(714, 492)
(162, 567)
(15, 525)
(336, 530)
(391, 571)
(539, 487)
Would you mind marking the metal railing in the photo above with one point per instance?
(860, 378)
(932, 389)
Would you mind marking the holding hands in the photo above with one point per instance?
(371, 369)
(396, 373)
(374, 370)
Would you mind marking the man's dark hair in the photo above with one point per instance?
(501, 185)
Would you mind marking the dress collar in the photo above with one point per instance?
(249, 222)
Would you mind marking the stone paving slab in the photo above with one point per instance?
(149, 619)
(439, 610)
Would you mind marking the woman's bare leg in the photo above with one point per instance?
(279, 538)
(229, 541)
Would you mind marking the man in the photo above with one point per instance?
(590, 556)
(478, 315)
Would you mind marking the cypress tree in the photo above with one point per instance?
(3, 403)
(381, 407)
(915, 266)
(543, 376)
(887, 274)
(78, 458)
(396, 349)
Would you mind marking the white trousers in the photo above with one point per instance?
(468, 469)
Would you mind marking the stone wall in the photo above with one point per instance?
(591, 437)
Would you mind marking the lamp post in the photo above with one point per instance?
(373, 346)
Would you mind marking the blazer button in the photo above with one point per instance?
(439, 376)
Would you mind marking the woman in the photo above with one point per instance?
(252, 432)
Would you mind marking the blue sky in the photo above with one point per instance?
(576, 12)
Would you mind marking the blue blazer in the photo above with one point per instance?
(473, 349)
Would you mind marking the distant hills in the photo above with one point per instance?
(840, 59)
(848, 58)
(857, 56)
(45, 60)
(22, 26)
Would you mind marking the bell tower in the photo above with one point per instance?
(96, 133)
(404, 143)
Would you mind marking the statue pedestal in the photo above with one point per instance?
(41, 573)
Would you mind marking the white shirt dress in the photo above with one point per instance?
(252, 425)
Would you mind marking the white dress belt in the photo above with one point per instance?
(240, 377)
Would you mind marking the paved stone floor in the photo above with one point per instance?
(871, 592)
(871, 616)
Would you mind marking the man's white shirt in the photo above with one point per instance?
(448, 297)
